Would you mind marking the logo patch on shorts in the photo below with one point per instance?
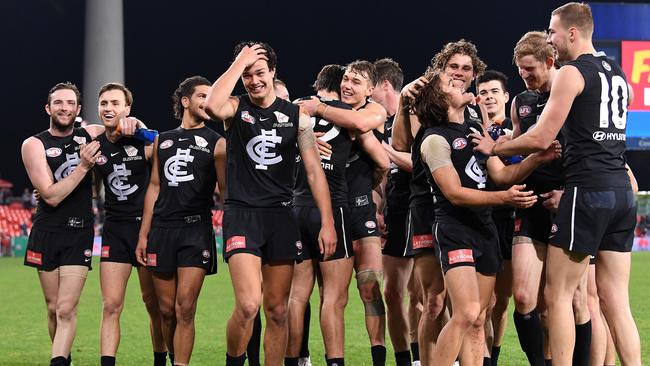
(105, 251)
(151, 260)
(553, 229)
(299, 245)
(34, 257)
(166, 144)
(206, 254)
(88, 253)
(460, 256)
(517, 225)
(53, 152)
(371, 224)
(459, 143)
(422, 241)
(235, 242)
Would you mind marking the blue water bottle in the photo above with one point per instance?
(146, 135)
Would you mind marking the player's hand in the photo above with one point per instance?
(89, 154)
(412, 89)
(381, 223)
(141, 252)
(127, 126)
(483, 143)
(517, 197)
(36, 194)
(480, 102)
(309, 105)
(250, 54)
(324, 149)
(553, 152)
(327, 241)
(552, 199)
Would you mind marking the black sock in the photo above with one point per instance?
(494, 355)
(378, 355)
(548, 362)
(291, 361)
(171, 358)
(108, 360)
(403, 358)
(583, 344)
(159, 358)
(487, 361)
(59, 361)
(415, 351)
(304, 346)
(531, 338)
(235, 361)
(335, 362)
(69, 359)
(253, 348)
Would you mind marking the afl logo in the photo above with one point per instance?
(371, 224)
(553, 229)
(53, 152)
(101, 160)
(166, 144)
(88, 253)
(606, 66)
(299, 245)
(599, 135)
(459, 143)
(524, 110)
(206, 254)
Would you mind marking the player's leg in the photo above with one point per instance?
(302, 285)
(188, 287)
(432, 286)
(276, 279)
(50, 285)
(336, 276)
(71, 281)
(473, 349)
(397, 271)
(113, 277)
(155, 322)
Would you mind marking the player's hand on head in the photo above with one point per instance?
(309, 105)
(88, 154)
(250, 54)
(412, 89)
(517, 197)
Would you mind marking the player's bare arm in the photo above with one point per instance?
(363, 120)
(147, 213)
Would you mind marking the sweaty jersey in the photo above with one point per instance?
(125, 173)
(595, 127)
(397, 186)
(360, 173)
(529, 106)
(469, 171)
(333, 165)
(261, 152)
(75, 211)
(187, 173)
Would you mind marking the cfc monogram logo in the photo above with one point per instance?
(118, 182)
(258, 149)
(71, 162)
(174, 167)
(474, 171)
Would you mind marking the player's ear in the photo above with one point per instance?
(47, 109)
(185, 101)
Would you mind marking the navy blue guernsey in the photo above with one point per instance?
(62, 154)
(469, 171)
(360, 173)
(397, 186)
(333, 166)
(261, 152)
(595, 127)
(125, 173)
(187, 173)
(529, 106)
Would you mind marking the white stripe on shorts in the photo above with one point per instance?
(573, 217)
(345, 242)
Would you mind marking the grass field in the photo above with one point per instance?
(24, 339)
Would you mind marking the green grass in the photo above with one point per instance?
(24, 339)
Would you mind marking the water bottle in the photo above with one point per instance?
(495, 131)
(146, 135)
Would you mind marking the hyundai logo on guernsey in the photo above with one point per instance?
(602, 136)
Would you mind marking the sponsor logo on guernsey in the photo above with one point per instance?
(166, 144)
(200, 141)
(175, 167)
(101, 160)
(615, 136)
(258, 149)
(525, 110)
(460, 256)
(422, 241)
(105, 251)
(79, 139)
(118, 182)
(246, 117)
(34, 257)
(459, 143)
(282, 120)
(151, 260)
(53, 152)
(130, 150)
(472, 113)
(235, 242)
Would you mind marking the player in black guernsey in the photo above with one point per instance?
(60, 244)
(466, 237)
(588, 101)
(176, 240)
(459, 60)
(265, 135)
(402, 319)
(124, 171)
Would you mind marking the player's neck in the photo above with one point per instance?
(392, 102)
(56, 131)
(111, 134)
(583, 48)
(189, 123)
(498, 117)
(456, 115)
(265, 101)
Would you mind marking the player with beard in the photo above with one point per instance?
(265, 134)
(57, 161)
(398, 264)
(123, 168)
(597, 214)
(176, 239)
(459, 60)
(364, 171)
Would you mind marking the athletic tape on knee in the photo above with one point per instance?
(369, 276)
(376, 306)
